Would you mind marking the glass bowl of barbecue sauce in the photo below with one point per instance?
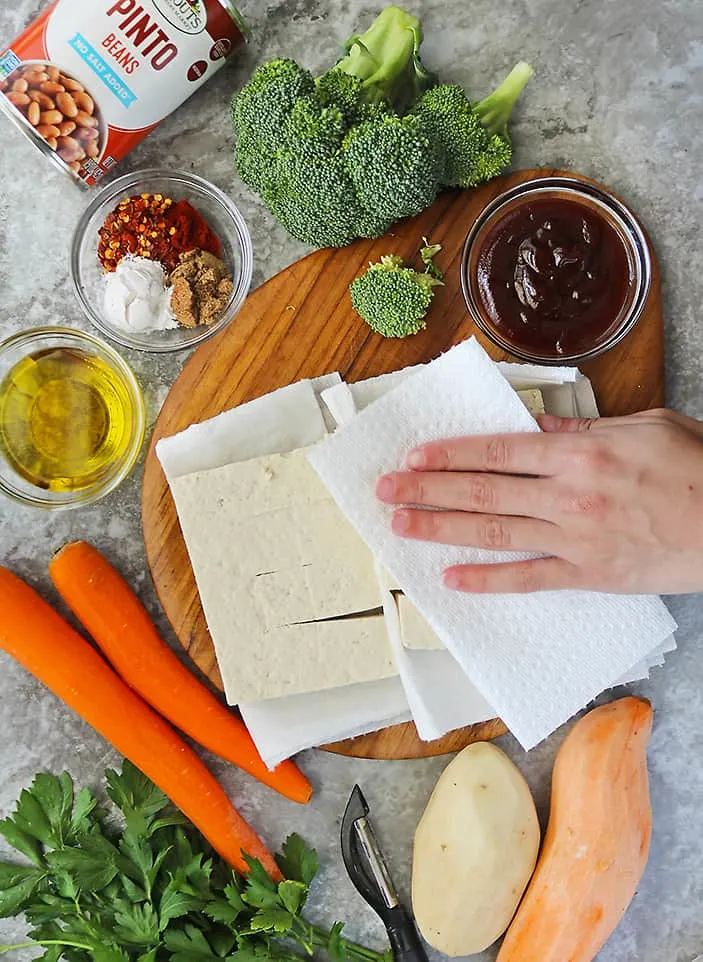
(556, 270)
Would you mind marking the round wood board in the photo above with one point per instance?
(300, 324)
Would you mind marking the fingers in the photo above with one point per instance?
(478, 530)
(529, 453)
(483, 493)
(521, 577)
(551, 424)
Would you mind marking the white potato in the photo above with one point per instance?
(475, 850)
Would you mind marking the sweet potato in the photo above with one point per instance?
(597, 842)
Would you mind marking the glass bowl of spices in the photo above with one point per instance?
(72, 418)
(556, 270)
(161, 260)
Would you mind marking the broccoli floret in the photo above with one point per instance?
(314, 199)
(265, 102)
(392, 298)
(386, 60)
(393, 165)
(472, 139)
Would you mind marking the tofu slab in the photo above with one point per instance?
(278, 566)
(533, 400)
(415, 631)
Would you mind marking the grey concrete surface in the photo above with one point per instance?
(617, 95)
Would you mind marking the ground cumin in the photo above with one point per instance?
(201, 288)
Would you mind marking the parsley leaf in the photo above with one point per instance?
(137, 924)
(293, 895)
(15, 898)
(188, 945)
(21, 841)
(109, 953)
(84, 806)
(259, 890)
(272, 920)
(31, 817)
(297, 861)
(175, 904)
(92, 864)
(133, 892)
(11, 874)
(222, 912)
(139, 800)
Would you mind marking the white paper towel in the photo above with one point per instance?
(282, 727)
(537, 658)
(284, 420)
(440, 695)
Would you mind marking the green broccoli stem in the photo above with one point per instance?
(495, 110)
(386, 59)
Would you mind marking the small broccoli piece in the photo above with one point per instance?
(472, 138)
(427, 256)
(392, 298)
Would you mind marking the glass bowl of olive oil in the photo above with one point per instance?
(72, 418)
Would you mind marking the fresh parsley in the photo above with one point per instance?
(138, 883)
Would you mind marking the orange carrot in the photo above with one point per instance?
(41, 641)
(119, 624)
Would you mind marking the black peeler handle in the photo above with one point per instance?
(402, 934)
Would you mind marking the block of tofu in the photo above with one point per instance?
(533, 400)
(415, 631)
(289, 589)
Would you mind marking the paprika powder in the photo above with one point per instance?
(192, 231)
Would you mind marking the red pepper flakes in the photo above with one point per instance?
(153, 226)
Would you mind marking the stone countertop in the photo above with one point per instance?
(617, 95)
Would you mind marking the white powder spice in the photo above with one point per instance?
(136, 297)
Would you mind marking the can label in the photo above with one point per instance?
(93, 79)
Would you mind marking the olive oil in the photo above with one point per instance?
(65, 419)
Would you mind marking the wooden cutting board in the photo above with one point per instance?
(301, 324)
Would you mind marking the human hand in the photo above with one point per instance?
(615, 504)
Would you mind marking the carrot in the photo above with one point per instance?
(40, 640)
(597, 841)
(119, 624)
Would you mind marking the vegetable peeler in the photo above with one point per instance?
(369, 874)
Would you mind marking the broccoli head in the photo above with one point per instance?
(331, 157)
(392, 298)
(369, 142)
(472, 139)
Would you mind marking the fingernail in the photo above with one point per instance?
(451, 579)
(401, 522)
(385, 488)
(417, 459)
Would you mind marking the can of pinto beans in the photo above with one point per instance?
(88, 81)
